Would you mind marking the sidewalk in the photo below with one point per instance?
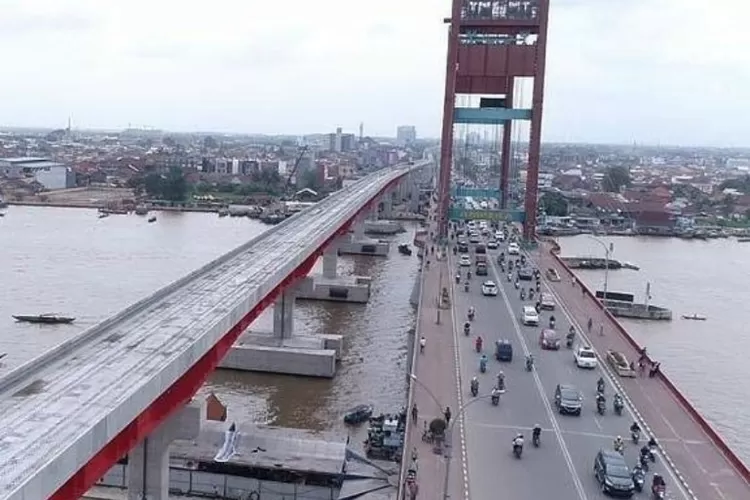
(709, 473)
(435, 369)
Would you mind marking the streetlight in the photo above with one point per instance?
(607, 252)
(449, 431)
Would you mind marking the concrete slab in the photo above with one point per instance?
(383, 227)
(354, 289)
(365, 246)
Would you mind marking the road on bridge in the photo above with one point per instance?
(562, 467)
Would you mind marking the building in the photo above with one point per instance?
(340, 142)
(51, 175)
(406, 134)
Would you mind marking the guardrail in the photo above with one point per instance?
(410, 398)
(705, 425)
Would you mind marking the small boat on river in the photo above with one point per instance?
(358, 414)
(404, 249)
(46, 319)
(696, 317)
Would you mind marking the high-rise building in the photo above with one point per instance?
(340, 142)
(406, 134)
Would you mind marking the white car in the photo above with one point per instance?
(529, 316)
(474, 238)
(585, 357)
(547, 302)
(499, 236)
(492, 245)
(489, 289)
(513, 248)
(465, 261)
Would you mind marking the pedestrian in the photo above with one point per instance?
(589, 325)
(447, 415)
(601, 330)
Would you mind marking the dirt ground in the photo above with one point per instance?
(94, 197)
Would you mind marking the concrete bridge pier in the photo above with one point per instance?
(282, 350)
(381, 221)
(148, 462)
(329, 285)
(413, 193)
(359, 244)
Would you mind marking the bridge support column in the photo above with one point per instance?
(331, 261)
(148, 462)
(387, 212)
(283, 314)
(413, 195)
(362, 245)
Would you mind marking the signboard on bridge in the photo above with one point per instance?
(491, 215)
(464, 192)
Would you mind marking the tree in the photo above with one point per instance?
(615, 178)
(554, 204)
(174, 187)
(741, 184)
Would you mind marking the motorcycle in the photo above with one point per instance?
(538, 286)
(552, 322)
(658, 491)
(467, 329)
(495, 398)
(643, 460)
(535, 439)
(601, 406)
(523, 294)
(620, 448)
(529, 363)
(466, 288)
(639, 478)
(458, 279)
(618, 404)
(468, 275)
(474, 388)
(569, 342)
(483, 365)
(635, 436)
(531, 294)
(516, 284)
(517, 450)
(470, 315)
(600, 387)
(510, 277)
(478, 344)
(652, 454)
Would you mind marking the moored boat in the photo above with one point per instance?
(404, 249)
(358, 414)
(47, 319)
(696, 317)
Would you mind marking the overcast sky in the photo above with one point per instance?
(652, 71)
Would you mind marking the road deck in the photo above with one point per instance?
(707, 471)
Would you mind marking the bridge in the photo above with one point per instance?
(67, 416)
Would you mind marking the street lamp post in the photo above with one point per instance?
(449, 431)
(608, 249)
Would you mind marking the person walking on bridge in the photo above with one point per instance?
(447, 415)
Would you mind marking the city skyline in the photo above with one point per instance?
(616, 72)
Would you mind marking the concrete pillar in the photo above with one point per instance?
(330, 261)
(359, 226)
(414, 190)
(387, 212)
(148, 462)
(283, 314)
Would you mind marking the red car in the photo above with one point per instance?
(549, 339)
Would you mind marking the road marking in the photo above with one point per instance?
(540, 389)
(457, 355)
(598, 424)
(671, 469)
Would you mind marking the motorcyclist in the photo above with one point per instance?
(600, 399)
(478, 343)
(531, 293)
(536, 432)
(652, 442)
(529, 361)
(458, 277)
(658, 483)
(635, 427)
(483, 362)
(645, 450)
(552, 321)
(619, 444)
(617, 401)
(474, 385)
(510, 277)
(518, 442)
(467, 328)
(501, 381)
(523, 294)
(468, 275)
(600, 385)
(571, 332)
(471, 313)
(466, 286)
(422, 343)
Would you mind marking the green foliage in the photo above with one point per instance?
(171, 187)
(266, 182)
(741, 184)
(615, 178)
(554, 204)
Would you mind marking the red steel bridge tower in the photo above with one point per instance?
(490, 44)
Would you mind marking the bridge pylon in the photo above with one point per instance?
(492, 44)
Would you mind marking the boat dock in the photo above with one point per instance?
(597, 263)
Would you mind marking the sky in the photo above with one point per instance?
(649, 71)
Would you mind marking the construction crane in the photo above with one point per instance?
(288, 183)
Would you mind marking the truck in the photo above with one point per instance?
(480, 258)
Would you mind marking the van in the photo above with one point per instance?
(480, 259)
(503, 350)
(481, 269)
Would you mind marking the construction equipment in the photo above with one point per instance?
(288, 184)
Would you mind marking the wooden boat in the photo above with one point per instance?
(47, 319)
(696, 317)
(404, 249)
(358, 414)
(152, 218)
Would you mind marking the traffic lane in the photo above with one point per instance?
(586, 434)
(608, 426)
(491, 429)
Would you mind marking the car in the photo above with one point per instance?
(546, 301)
(503, 350)
(480, 249)
(613, 474)
(482, 269)
(585, 357)
(499, 236)
(474, 238)
(489, 288)
(513, 248)
(526, 273)
(465, 261)
(529, 316)
(549, 339)
(493, 244)
(568, 400)
(463, 246)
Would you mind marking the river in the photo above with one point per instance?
(70, 262)
(706, 359)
